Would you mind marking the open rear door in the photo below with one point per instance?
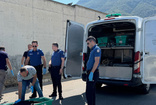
(149, 62)
(73, 49)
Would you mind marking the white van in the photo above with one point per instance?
(128, 45)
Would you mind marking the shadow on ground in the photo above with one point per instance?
(74, 100)
(12, 89)
(113, 95)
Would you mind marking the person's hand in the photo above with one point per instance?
(32, 89)
(61, 71)
(49, 65)
(44, 71)
(19, 100)
(91, 76)
(22, 65)
(12, 72)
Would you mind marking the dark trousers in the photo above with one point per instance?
(56, 79)
(39, 76)
(91, 88)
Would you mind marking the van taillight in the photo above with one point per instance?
(137, 62)
(84, 55)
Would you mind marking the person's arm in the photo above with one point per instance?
(97, 60)
(62, 65)
(22, 60)
(96, 63)
(34, 80)
(50, 63)
(8, 63)
(44, 61)
(27, 60)
(19, 89)
(19, 85)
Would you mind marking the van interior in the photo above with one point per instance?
(116, 40)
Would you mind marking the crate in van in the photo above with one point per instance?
(121, 40)
(102, 41)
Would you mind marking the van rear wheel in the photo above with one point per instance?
(144, 88)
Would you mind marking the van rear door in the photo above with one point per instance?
(149, 59)
(73, 49)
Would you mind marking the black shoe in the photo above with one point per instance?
(32, 96)
(53, 95)
(60, 97)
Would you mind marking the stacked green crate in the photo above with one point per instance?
(121, 40)
(102, 41)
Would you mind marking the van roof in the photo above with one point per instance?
(115, 18)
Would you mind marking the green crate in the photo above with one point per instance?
(102, 41)
(42, 101)
(121, 40)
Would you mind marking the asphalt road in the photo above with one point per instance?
(125, 96)
(74, 94)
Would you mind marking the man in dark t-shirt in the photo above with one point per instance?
(4, 61)
(25, 55)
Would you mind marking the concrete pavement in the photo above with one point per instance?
(74, 94)
(72, 89)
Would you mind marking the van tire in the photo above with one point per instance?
(144, 88)
(98, 85)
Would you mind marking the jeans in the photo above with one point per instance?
(25, 83)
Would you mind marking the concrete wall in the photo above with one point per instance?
(22, 21)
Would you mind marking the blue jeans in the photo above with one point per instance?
(25, 83)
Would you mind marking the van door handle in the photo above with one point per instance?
(147, 53)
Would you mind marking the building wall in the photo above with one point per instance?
(22, 21)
